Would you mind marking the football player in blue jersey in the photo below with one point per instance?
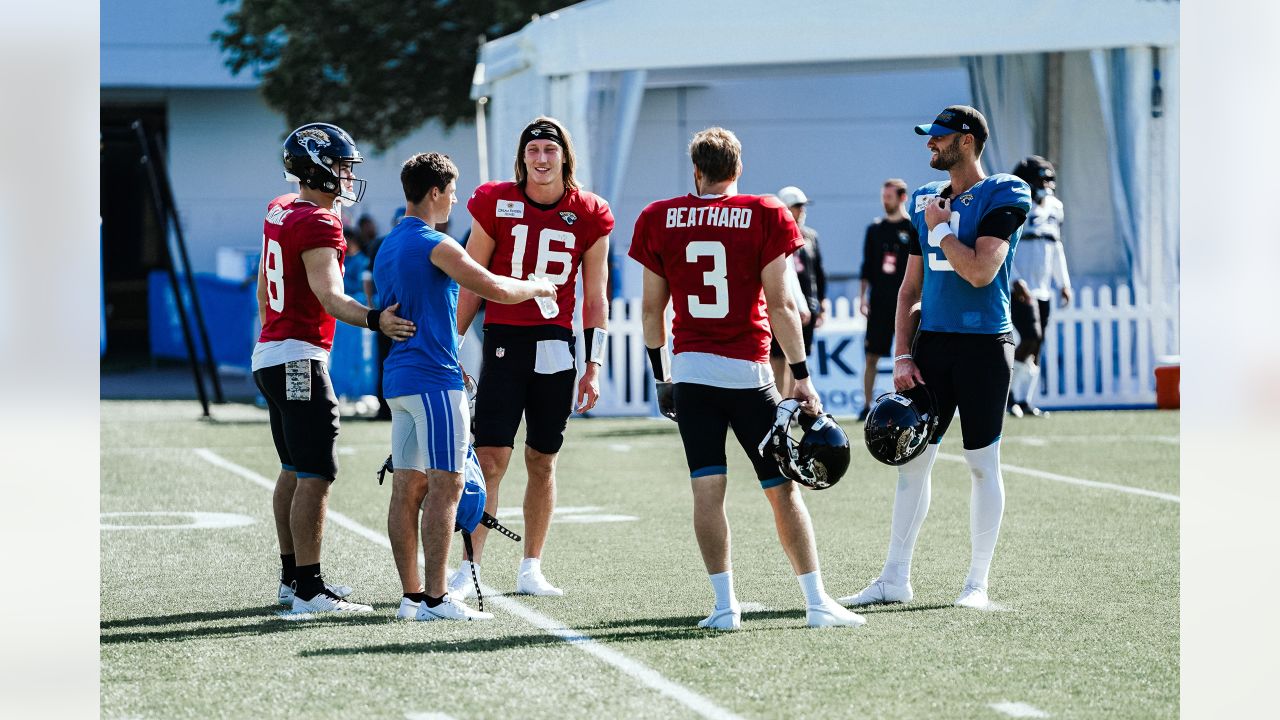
(963, 350)
(420, 270)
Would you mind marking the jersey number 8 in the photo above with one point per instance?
(273, 268)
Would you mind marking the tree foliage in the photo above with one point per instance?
(378, 68)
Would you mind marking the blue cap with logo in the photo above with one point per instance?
(956, 118)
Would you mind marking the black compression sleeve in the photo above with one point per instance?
(1001, 222)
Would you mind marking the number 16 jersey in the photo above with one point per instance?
(711, 250)
(534, 239)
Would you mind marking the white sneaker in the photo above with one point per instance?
(450, 609)
(325, 602)
(973, 597)
(831, 614)
(729, 618)
(531, 582)
(460, 585)
(286, 593)
(877, 592)
(408, 609)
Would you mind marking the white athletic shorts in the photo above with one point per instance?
(430, 430)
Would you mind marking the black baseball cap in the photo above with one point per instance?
(956, 118)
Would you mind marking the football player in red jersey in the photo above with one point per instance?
(539, 225)
(299, 295)
(721, 259)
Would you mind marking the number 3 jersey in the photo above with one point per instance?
(293, 312)
(711, 250)
(948, 302)
(533, 239)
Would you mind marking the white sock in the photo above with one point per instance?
(1033, 381)
(910, 505)
(811, 584)
(528, 564)
(986, 508)
(722, 583)
(1021, 376)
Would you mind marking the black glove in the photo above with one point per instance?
(667, 399)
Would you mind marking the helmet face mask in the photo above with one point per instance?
(318, 155)
(900, 426)
(819, 458)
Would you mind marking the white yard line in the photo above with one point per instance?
(1031, 472)
(427, 716)
(1018, 710)
(637, 670)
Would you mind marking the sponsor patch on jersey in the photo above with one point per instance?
(923, 200)
(568, 217)
(965, 199)
(510, 209)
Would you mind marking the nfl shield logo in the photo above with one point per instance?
(500, 352)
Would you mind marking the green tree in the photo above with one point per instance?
(378, 68)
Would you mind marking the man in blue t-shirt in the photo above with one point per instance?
(421, 269)
(963, 352)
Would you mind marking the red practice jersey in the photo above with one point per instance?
(544, 242)
(293, 312)
(711, 252)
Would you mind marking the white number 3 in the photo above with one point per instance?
(715, 278)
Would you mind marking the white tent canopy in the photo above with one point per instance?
(591, 64)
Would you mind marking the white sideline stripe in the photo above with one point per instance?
(646, 675)
(1031, 472)
(1019, 710)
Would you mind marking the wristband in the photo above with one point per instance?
(902, 357)
(596, 341)
(799, 370)
(371, 320)
(939, 231)
(658, 364)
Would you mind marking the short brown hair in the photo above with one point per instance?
(898, 183)
(717, 153)
(565, 143)
(424, 171)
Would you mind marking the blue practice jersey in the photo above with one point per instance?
(948, 302)
(404, 274)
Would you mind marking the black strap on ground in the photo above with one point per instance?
(466, 543)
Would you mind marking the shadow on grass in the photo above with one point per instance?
(634, 432)
(268, 622)
(900, 608)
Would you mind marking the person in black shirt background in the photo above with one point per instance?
(884, 260)
(807, 262)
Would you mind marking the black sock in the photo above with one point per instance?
(288, 569)
(309, 581)
(432, 601)
(417, 596)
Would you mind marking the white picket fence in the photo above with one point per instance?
(1100, 352)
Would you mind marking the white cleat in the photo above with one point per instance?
(460, 584)
(531, 582)
(328, 603)
(973, 597)
(408, 609)
(450, 609)
(729, 618)
(831, 614)
(879, 592)
(286, 593)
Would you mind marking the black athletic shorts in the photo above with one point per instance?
(971, 372)
(304, 416)
(705, 414)
(879, 337)
(1026, 320)
(806, 332)
(510, 388)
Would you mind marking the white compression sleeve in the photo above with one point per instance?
(986, 508)
(910, 505)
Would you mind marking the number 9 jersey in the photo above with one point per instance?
(532, 239)
(293, 311)
(711, 251)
